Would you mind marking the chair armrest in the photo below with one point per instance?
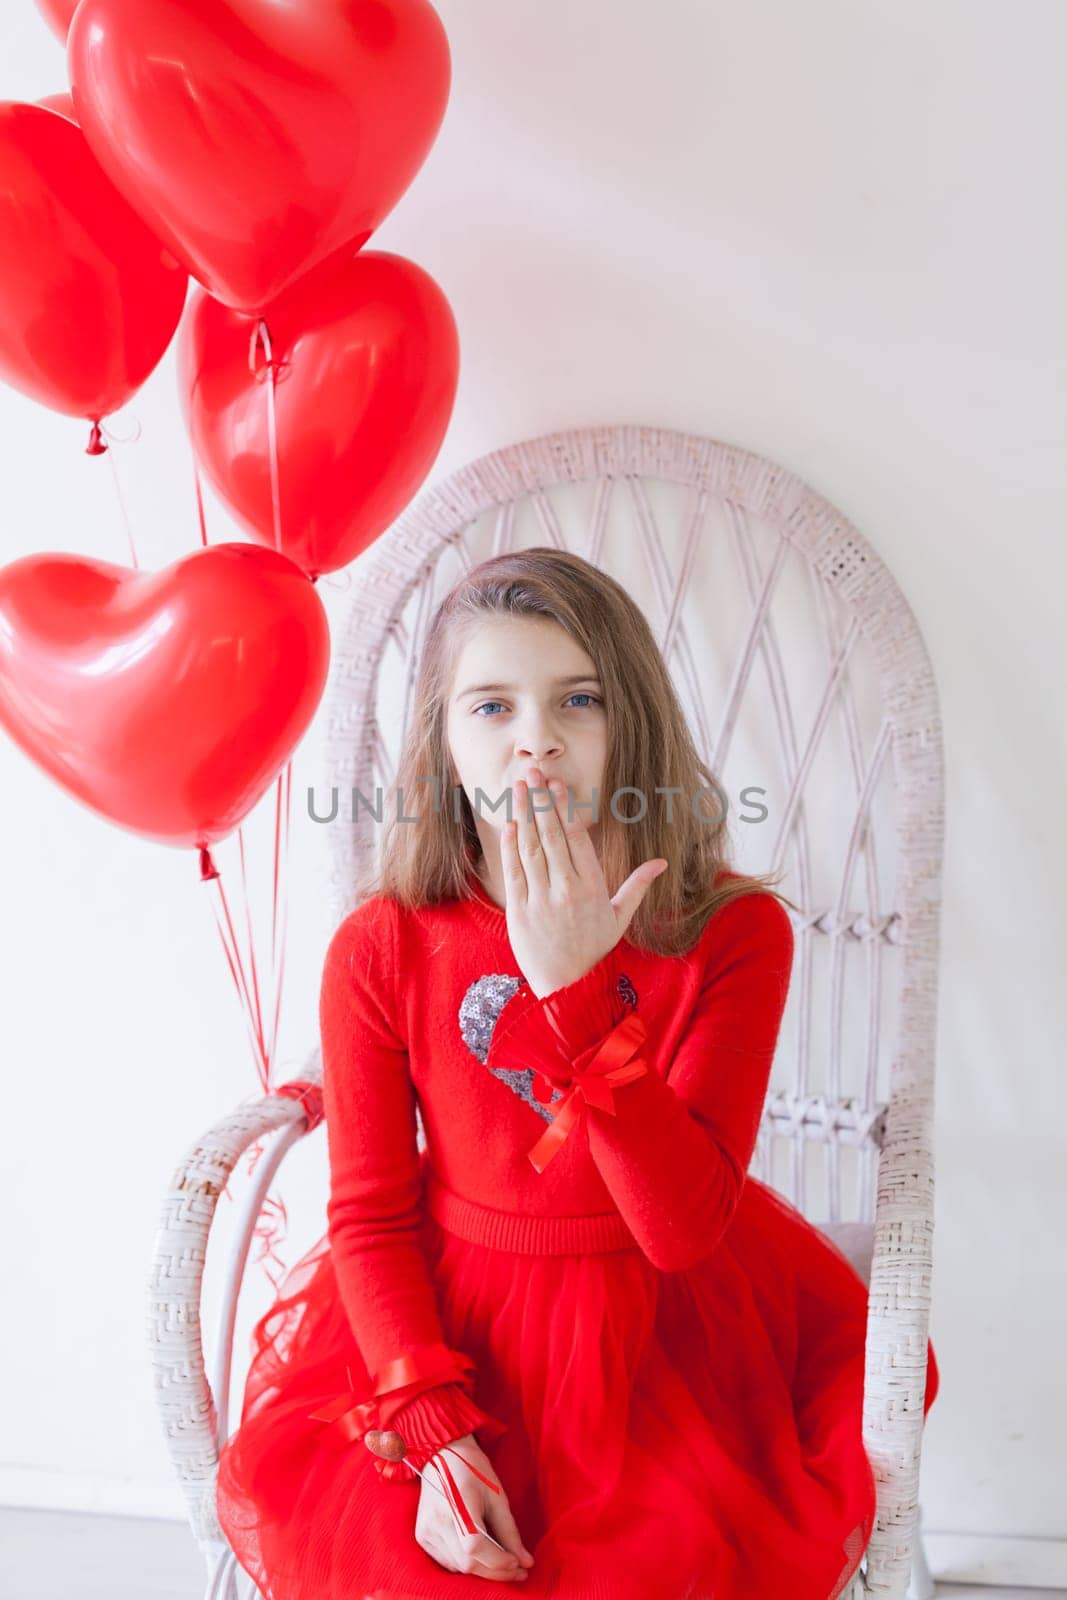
(898, 1319)
(192, 1409)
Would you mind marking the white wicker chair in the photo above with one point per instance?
(739, 565)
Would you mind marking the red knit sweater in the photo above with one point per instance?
(404, 1013)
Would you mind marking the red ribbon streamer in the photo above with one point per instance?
(348, 1419)
(459, 1506)
(597, 1071)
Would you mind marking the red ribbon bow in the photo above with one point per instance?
(429, 1365)
(596, 1072)
(349, 1419)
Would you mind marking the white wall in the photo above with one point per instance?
(830, 233)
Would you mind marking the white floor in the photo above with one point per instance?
(59, 1555)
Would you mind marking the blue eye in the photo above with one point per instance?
(579, 694)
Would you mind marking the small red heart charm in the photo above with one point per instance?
(166, 701)
(256, 138)
(389, 1445)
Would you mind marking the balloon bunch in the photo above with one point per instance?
(254, 148)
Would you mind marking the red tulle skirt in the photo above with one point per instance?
(670, 1436)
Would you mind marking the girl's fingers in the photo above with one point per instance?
(584, 859)
(514, 877)
(531, 851)
(502, 1574)
(486, 1558)
(500, 1520)
(553, 836)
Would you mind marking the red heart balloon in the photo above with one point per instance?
(89, 298)
(166, 701)
(367, 364)
(258, 139)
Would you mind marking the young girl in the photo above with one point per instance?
(572, 1345)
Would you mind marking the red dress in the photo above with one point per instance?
(662, 1358)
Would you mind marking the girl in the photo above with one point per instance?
(572, 1345)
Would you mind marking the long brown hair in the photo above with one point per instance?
(649, 747)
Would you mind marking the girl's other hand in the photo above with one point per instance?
(438, 1532)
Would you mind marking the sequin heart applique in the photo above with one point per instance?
(478, 1013)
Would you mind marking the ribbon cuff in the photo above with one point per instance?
(596, 1073)
(428, 1366)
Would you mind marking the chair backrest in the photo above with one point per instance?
(812, 700)
(811, 697)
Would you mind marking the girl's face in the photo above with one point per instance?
(511, 708)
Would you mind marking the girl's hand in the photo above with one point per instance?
(439, 1533)
(561, 920)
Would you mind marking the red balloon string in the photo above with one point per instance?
(263, 1045)
(248, 988)
(258, 1011)
(199, 502)
(281, 876)
(272, 1223)
(98, 446)
(121, 498)
(232, 950)
(261, 335)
